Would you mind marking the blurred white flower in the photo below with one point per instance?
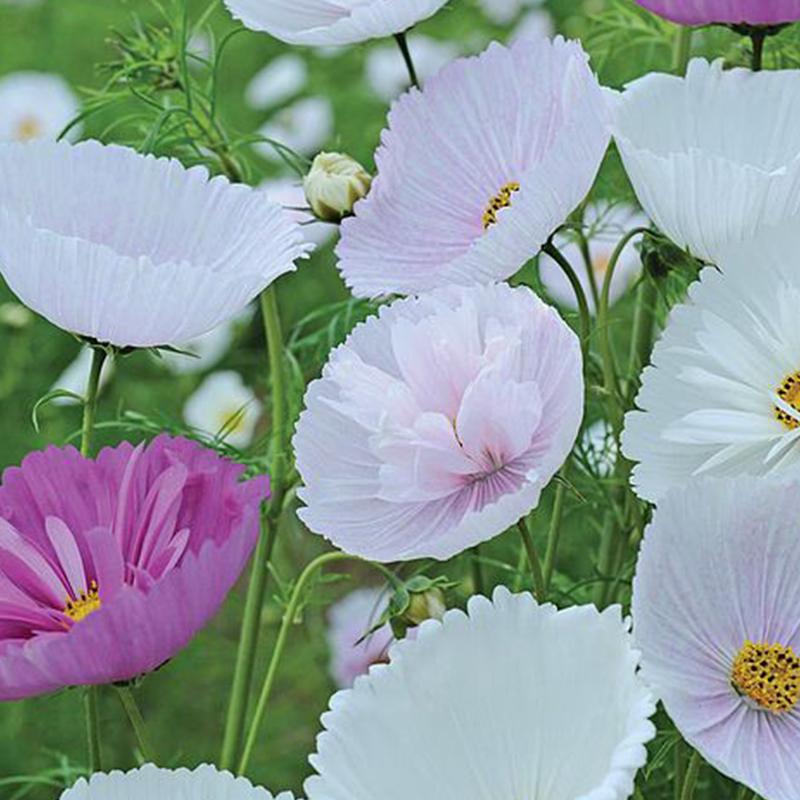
(304, 127)
(280, 80)
(387, 74)
(35, 105)
(289, 193)
(534, 25)
(200, 45)
(15, 315)
(74, 377)
(600, 448)
(504, 12)
(224, 406)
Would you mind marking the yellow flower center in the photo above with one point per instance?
(501, 200)
(768, 674)
(789, 392)
(231, 420)
(27, 128)
(86, 603)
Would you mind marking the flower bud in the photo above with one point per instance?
(333, 185)
(419, 599)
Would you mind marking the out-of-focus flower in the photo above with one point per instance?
(504, 12)
(536, 23)
(74, 377)
(305, 127)
(715, 609)
(15, 315)
(280, 80)
(108, 567)
(334, 184)
(712, 156)
(723, 395)
(478, 170)
(153, 783)
(35, 105)
(438, 422)
(737, 12)
(386, 71)
(502, 701)
(224, 407)
(353, 648)
(133, 250)
(289, 193)
(604, 226)
(329, 22)
(600, 448)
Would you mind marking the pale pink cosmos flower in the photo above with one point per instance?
(437, 423)
(478, 170)
(704, 12)
(108, 567)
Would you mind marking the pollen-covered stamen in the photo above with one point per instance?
(789, 392)
(87, 602)
(769, 674)
(501, 200)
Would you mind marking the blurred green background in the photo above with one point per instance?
(185, 701)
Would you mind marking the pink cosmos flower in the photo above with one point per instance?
(704, 12)
(476, 171)
(353, 649)
(436, 425)
(108, 567)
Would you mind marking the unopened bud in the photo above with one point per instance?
(333, 185)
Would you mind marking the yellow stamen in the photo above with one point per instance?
(86, 603)
(789, 392)
(27, 128)
(768, 674)
(501, 200)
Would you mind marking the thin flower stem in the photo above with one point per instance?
(533, 561)
(137, 723)
(644, 322)
(283, 633)
(683, 50)
(402, 43)
(692, 773)
(758, 37)
(90, 400)
(554, 533)
(93, 728)
(477, 570)
(248, 640)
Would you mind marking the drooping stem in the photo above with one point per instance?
(402, 43)
(249, 635)
(690, 779)
(90, 399)
(533, 561)
(554, 533)
(137, 723)
(93, 728)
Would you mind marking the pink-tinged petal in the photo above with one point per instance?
(739, 12)
(68, 554)
(107, 560)
(23, 563)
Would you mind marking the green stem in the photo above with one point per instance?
(280, 644)
(533, 561)
(679, 766)
(692, 773)
(644, 324)
(137, 723)
(248, 639)
(758, 38)
(93, 728)
(683, 50)
(554, 532)
(745, 793)
(402, 43)
(477, 570)
(90, 399)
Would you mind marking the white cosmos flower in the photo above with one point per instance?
(75, 376)
(131, 249)
(153, 783)
(289, 193)
(712, 156)
(510, 700)
(332, 22)
(35, 105)
(723, 395)
(280, 80)
(600, 448)
(304, 126)
(387, 74)
(224, 406)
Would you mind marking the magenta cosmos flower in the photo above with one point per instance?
(476, 171)
(716, 611)
(437, 423)
(742, 12)
(108, 567)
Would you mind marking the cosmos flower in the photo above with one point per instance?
(304, 127)
(501, 701)
(604, 227)
(108, 567)
(152, 783)
(35, 105)
(476, 171)
(353, 649)
(133, 250)
(437, 423)
(716, 607)
(722, 396)
(712, 156)
(387, 74)
(281, 79)
(224, 407)
(737, 12)
(332, 22)
(289, 193)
